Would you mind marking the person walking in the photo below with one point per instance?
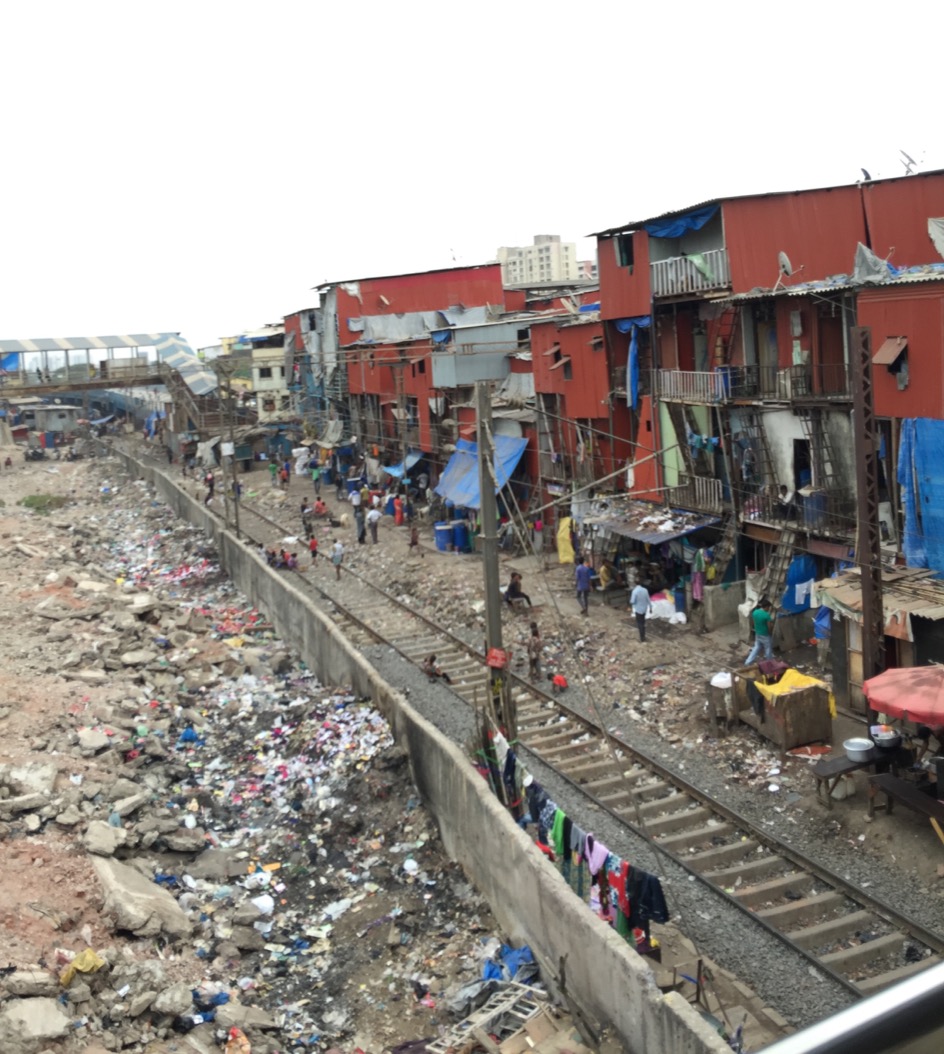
(283, 477)
(337, 557)
(273, 473)
(763, 639)
(316, 478)
(373, 521)
(535, 649)
(210, 483)
(361, 525)
(641, 603)
(313, 548)
(584, 578)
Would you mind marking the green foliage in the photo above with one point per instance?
(43, 504)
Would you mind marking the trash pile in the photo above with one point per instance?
(257, 873)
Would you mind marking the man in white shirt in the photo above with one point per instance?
(373, 519)
(355, 499)
(641, 604)
(337, 557)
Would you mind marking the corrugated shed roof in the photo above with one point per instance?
(645, 521)
(906, 593)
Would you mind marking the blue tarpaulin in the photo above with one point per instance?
(921, 478)
(411, 460)
(632, 326)
(676, 226)
(10, 363)
(459, 482)
(801, 575)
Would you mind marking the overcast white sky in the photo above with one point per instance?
(199, 166)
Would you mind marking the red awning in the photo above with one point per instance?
(914, 693)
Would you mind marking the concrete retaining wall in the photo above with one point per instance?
(599, 972)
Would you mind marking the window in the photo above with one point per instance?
(623, 244)
(568, 370)
(268, 406)
(421, 366)
(265, 373)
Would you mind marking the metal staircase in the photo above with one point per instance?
(837, 509)
(722, 336)
(725, 549)
(774, 580)
(683, 422)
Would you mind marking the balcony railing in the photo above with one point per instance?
(820, 512)
(697, 492)
(691, 274)
(691, 387)
(790, 384)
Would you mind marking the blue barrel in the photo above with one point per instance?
(460, 536)
(326, 476)
(388, 508)
(443, 534)
(680, 597)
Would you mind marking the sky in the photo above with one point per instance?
(199, 166)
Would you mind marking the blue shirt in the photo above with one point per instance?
(639, 599)
(584, 575)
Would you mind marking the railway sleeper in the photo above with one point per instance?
(696, 837)
(785, 916)
(775, 889)
(821, 933)
(559, 754)
(868, 985)
(655, 791)
(746, 870)
(711, 859)
(555, 734)
(596, 774)
(672, 821)
(859, 955)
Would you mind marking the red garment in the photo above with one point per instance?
(617, 880)
(313, 546)
(398, 512)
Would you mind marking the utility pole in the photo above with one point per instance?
(499, 693)
(224, 369)
(868, 535)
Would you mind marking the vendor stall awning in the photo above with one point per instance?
(647, 522)
(913, 693)
(459, 482)
(411, 460)
(906, 593)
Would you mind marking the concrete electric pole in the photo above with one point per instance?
(499, 693)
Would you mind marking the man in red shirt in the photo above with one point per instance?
(313, 548)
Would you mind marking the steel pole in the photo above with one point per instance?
(232, 440)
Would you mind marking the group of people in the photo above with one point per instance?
(281, 560)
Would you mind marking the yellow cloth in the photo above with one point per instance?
(792, 681)
(87, 961)
(606, 576)
(565, 551)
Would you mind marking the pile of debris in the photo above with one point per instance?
(239, 852)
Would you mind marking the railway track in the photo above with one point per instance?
(862, 942)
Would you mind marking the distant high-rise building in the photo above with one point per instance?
(587, 270)
(547, 260)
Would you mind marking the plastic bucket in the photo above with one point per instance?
(460, 536)
(443, 534)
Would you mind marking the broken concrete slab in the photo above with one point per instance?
(218, 864)
(26, 779)
(244, 1017)
(138, 904)
(31, 982)
(92, 742)
(138, 657)
(101, 839)
(26, 1025)
(176, 1000)
(126, 806)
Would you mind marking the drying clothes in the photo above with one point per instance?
(617, 872)
(547, 814)
(501, 748)
(699, 563)
(595, 853)
(698, 585)
(537, 799)
(508, 777)
(565, 838)
(645, 897)
(557, 832)
(578, 837)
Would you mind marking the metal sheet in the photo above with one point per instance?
(890, 350)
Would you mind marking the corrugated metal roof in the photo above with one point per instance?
(636, 224)
(645, 521)
(838, 284)
(905, 593)
(405, 274)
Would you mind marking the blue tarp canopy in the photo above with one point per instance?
(411, 460)
(676, 226)
(459, 482)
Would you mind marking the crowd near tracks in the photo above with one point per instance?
(859, 941)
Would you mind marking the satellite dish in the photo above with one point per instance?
(786, 268)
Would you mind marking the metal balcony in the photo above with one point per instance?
(807, 383)
(690, 387)
(681, 274)
(698, 493)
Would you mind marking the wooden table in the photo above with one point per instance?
(830, 771)
(907, 793)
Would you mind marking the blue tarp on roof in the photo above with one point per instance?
(676, 226)
(411, 460)
(459, 482)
